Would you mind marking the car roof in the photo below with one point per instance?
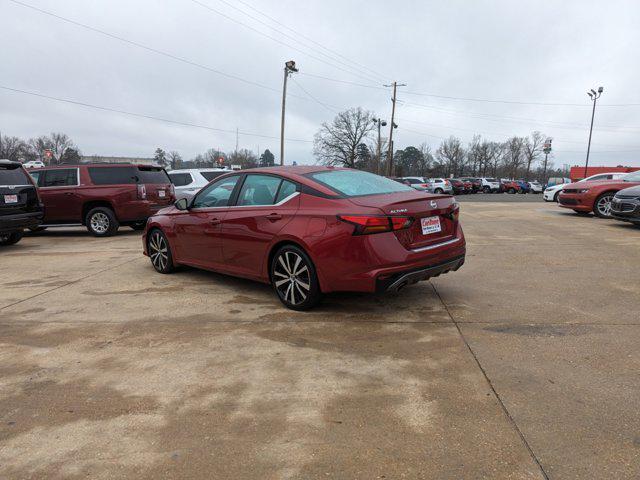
(99, 165)
(9, 163)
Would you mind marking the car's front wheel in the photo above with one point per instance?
(294, 278)
(160, 252)
(438, 190)
(486, 189)
(10, 238)
(602, 205)
(101, 222)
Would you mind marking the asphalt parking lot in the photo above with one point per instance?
(522, 365)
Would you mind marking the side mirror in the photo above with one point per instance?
(182, 204)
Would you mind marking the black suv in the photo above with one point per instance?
(20, 205)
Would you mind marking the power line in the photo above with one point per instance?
(311, 40)
(324, 105)
(146, 47)
(207, 7)
(142, 115)
(332, 58)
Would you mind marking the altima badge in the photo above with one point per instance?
(434, 204)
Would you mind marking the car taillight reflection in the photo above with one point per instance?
(368, 224)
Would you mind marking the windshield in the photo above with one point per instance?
(353, 183)
(632, 177)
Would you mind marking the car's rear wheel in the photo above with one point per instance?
(512, 190)
(602, 205)
(160, 252)
(438, 190)
(101, 222)
(10, 238)
(486, 189)
(294, 278)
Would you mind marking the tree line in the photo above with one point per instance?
(52, 149)
(350, 141)
(215, 158)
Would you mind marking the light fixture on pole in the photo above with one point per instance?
(547, 150)
(594, 96)
(289, 68)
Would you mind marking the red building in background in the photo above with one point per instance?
(577, 172)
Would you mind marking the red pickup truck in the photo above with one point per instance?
(102, 196)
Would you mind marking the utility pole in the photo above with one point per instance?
(380, 123)
(236, 154)
(289, 68)
(594, 96)
(395, 85)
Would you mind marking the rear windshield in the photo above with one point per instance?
(153, 175)
(13, 176)
(353, 183)
(211, 175)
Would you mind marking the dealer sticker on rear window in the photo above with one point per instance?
(430, 225)
(11, 199)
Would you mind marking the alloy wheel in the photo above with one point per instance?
(603, 205)
(291, 277)
(100, 222)
(158, 251)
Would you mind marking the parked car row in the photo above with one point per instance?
(466, 185)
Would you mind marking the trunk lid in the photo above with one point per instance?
(419, 206)
(157, 185)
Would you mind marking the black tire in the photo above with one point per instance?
(7, 239)
(602, 205)
(159, 251)
(294, 278)
(438, 190)
(512, 190)
(138, 226)
(101, 222)
(555, 197)
(486, 189)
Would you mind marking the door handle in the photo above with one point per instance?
(274, 216)
(215, 221)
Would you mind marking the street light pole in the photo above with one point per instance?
(379, 146)
(395, 85)
(547, 150)
(594, 96)
(289, 68)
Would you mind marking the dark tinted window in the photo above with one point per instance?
(259, 190)
(62, 177)
(180, 179)
(217, 194)
(352, 183)
(112, 175)
(211, 175)
(13, 176)
(286, 188)
(153, 175)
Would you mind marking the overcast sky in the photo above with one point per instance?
(515, 51)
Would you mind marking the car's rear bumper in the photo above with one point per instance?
(20, 221)
(397, 281)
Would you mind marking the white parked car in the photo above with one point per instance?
(440, 185)
(188, 182)
(551, 193)
(490, 185)
(535, 187)
(33, 164)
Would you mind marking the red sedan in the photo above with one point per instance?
(310, 230)
(596, 195)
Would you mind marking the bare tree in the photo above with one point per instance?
(514, 157)
(532, 150)
(451, 155)
(59, 143)
(175, 159)
(426, 161)
(12, 148)
(38, 146)
(337, 143)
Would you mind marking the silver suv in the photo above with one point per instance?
(188, 182)
(441, 185)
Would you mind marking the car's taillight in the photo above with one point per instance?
(172, 190)
(367, 224)
(142, 192)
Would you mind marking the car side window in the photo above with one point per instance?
(62, 177)
(36, 175)
(180, 179)
(287, 188)
(217, 194)
(259, 190)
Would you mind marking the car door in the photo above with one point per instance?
(198, 238)
(265, 204)
(58, 190)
